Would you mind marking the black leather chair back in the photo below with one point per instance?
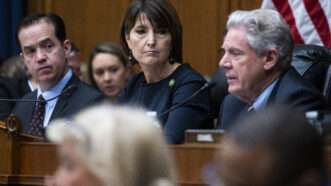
(313, 63)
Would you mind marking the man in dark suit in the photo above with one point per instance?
(45, 49)
(257, 55)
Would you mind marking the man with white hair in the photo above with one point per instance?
(257, 63)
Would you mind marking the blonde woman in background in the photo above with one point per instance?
(123, 148)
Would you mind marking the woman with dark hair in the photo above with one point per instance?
(107, 69)
(151, 36)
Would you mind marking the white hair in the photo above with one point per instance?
(120, 145)
(266, 29)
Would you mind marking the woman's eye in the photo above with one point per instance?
(113, 70)
(140, 31)
(99, 72)
(162, 31)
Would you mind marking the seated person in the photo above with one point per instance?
(13, 84)
(257, 62)
(8, 91)
(14, 67)
(44, 46)
(108, 69)
(74, 60)
(123, 148)
(151, 36)
(273, 147)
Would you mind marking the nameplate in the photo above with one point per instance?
(203, 136)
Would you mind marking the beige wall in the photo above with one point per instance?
(91, 21)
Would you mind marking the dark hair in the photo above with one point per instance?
(107, 48)
(51, 18)
(162, 15)
(295, 145)
(74, 49)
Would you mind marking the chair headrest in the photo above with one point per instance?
(311, 53)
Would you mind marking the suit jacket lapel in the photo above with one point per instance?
(61, 105)
(30, 111)
(27, 113)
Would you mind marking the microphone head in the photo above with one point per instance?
(211, 84)
(69, 90)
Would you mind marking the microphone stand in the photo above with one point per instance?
(64, 92)
(204, 87)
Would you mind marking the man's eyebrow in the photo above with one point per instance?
(46, 40)
(233, 49)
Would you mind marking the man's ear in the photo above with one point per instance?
(67, 47)
(271, 59)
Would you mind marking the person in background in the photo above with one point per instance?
(74, 60)
(123, 148)
(60, 93)
(274, 147)
(257, 53)
(151, 36)
(15, 68)
(108, 69)
(15, 82)
(8, 91)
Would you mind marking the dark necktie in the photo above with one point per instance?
(37, 122)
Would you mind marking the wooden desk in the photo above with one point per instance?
(34, 160)
(190, 161)
(23, 161)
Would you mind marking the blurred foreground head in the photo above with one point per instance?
(107, 146)
(274, 147)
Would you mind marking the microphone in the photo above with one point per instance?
(65, 92)
(204, 87)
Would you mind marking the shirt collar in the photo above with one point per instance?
(262, 99)
(57, 89)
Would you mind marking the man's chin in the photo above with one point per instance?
(233, 91)
(47, 81)
(237, 93)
